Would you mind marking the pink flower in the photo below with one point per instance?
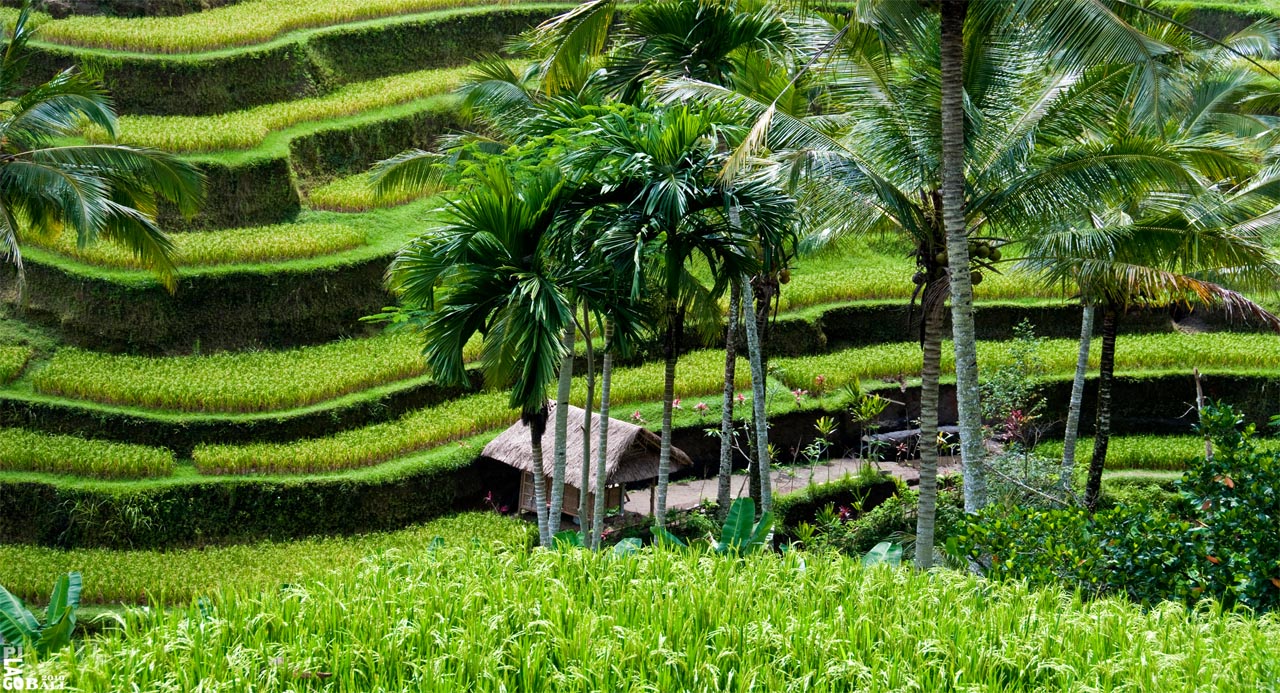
(636, 417)
(799, 394)
(701, 408)
(675, 403)
(741, 398)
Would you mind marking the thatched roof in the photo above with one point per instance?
(632, 455)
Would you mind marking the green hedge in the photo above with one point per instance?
(189, 512)
(305, 64)
(864, 492)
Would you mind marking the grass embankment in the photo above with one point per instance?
(471, 619)
(239, 24)
(1151, 453)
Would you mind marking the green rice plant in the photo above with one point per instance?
(355, 194)
(13, 360)
(252, 21)
(178, 577)
(463, 618)
(361, 447)
(698, 373)
(29, 451)
(238, 382)
(249, 128)
(232, 246)
(1146, 352)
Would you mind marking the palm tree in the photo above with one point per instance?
(105, 191)
(1185, 250)
(485, 267)
(676, 213)
(871, 164)
(1205, 108)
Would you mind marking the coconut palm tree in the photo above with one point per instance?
(1185, 250)
(678, 216)
(485, 267)
(1209, 99)
(871, 164)
(104, 191)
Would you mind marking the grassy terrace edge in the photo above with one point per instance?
(301, 64)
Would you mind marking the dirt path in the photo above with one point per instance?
(688, 494)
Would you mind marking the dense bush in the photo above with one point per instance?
(1221, 543)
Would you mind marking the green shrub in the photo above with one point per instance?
(28, 451)
(181, 576)
(233, 246)
(466, 618)
(1220, 543)
(232, 381)
(860, 493)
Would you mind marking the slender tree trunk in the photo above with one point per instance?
(1102, 425)
(1077, 399)
(927, 512)
(972, 451)
(758, 390)
(675, 316)
(723, 492)
(584, 517)
(561, 434)
(539, 495)
(602, 446)
(758, 309)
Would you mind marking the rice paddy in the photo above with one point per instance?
(227, 247)
(239, 24)
(30, 451)
(250, 128)
(181, 576)
(240, 382)
(13, 359)
(460, 618)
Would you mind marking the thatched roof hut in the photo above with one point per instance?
(632, 454)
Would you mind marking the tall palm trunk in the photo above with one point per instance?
(671, 352)
(927, 511)
(561, 433)
(583, 516)
(537, 426)
(726, 410)
(953, 218)
(1077, 399)
(758, 403)
(602, 447)
(1102, 424)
